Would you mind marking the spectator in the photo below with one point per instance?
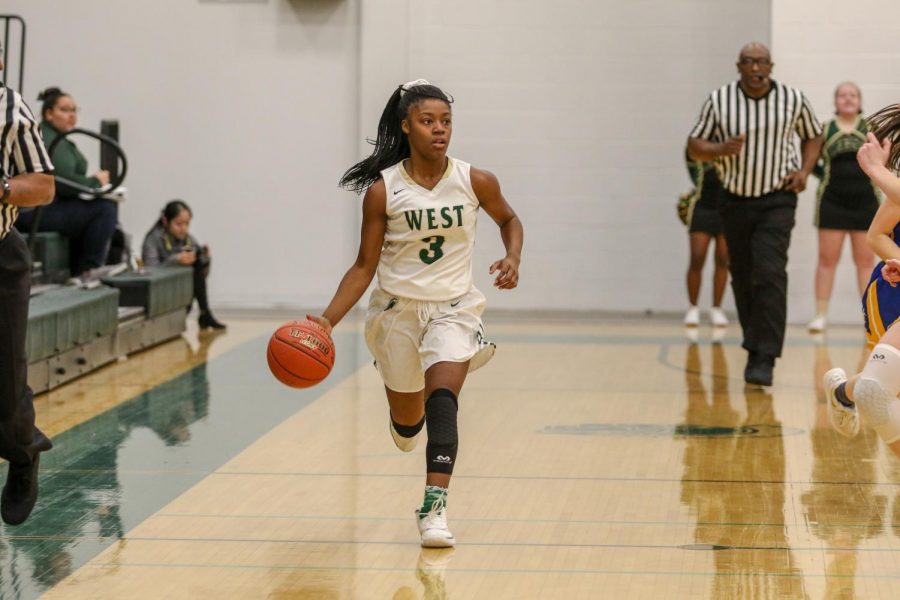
(169, 243)
(88, 224)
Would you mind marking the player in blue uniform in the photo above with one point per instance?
(873, 392)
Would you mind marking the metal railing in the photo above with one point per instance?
(6, 21)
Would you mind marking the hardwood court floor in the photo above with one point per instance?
(597, 460)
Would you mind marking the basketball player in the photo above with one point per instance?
(874, 391)
(424, 319)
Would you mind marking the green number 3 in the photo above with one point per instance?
(434, 251)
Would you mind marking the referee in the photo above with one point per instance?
(748, 128)
(26, 181)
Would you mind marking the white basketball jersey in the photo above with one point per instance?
(427, 253)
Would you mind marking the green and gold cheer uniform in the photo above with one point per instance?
(846, 199)
(703, 211)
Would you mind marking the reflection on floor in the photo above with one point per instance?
(597, 459)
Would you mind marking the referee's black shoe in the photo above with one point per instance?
(759, 369)
(20, 492)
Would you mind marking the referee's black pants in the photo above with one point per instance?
(758, 232)
(20, 440)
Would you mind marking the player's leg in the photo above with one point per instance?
(407, 417)
(448, 344)
(392, 331)
(830, 243)
(699, 246)
(443, 382)
(873, 392)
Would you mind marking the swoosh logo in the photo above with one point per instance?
(455, 304)
(397, 191)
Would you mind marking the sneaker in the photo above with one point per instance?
(20, 492)
(406, 444)
(759, 369)
(818, 324)
(692, 317)
(844, 419)
(431, 571)
(483, 354)
(873, 402)
(717, 316)
(433, 527)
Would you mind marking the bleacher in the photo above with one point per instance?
(73, 330)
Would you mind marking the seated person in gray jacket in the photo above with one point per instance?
(169, 243)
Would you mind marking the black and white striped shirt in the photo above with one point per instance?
(21, 148)
(769, 124)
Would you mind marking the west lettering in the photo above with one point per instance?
(414, 219)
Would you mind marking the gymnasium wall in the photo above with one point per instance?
(582, 109)
(247, 110)
(251, 111)
(815, 50)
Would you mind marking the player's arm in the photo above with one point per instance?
(359, 276)
(487, 190)
(873, 157)
(879, 234)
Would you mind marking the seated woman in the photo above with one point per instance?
(88, 224)
(169, 243)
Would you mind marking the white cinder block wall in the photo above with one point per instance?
(252, 110)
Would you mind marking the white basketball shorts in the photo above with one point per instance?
(407, 336)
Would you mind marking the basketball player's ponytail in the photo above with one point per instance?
(886, 124)
(391, 144)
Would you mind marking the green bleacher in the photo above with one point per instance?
(72, 330)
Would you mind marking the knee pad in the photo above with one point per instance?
(883, 366)
(443, 438)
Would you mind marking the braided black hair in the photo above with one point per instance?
(886, 124)
(391, 145)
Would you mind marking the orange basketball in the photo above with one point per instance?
(300, 354)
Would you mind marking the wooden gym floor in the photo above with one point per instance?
(598, 459)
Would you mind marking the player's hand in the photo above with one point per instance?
(732, 146)
(795, 181)
(507, 270)
(891, 271)
(873, 154)
(321, 322)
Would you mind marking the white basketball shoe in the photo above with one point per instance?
(433, 527)
(844, 419)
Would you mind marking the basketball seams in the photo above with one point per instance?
(305, 350)
(285, 376)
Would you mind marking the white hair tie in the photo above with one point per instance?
(405, 87)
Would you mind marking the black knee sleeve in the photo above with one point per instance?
(408, 431)
(443, 440)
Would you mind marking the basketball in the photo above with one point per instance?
(300, 354)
